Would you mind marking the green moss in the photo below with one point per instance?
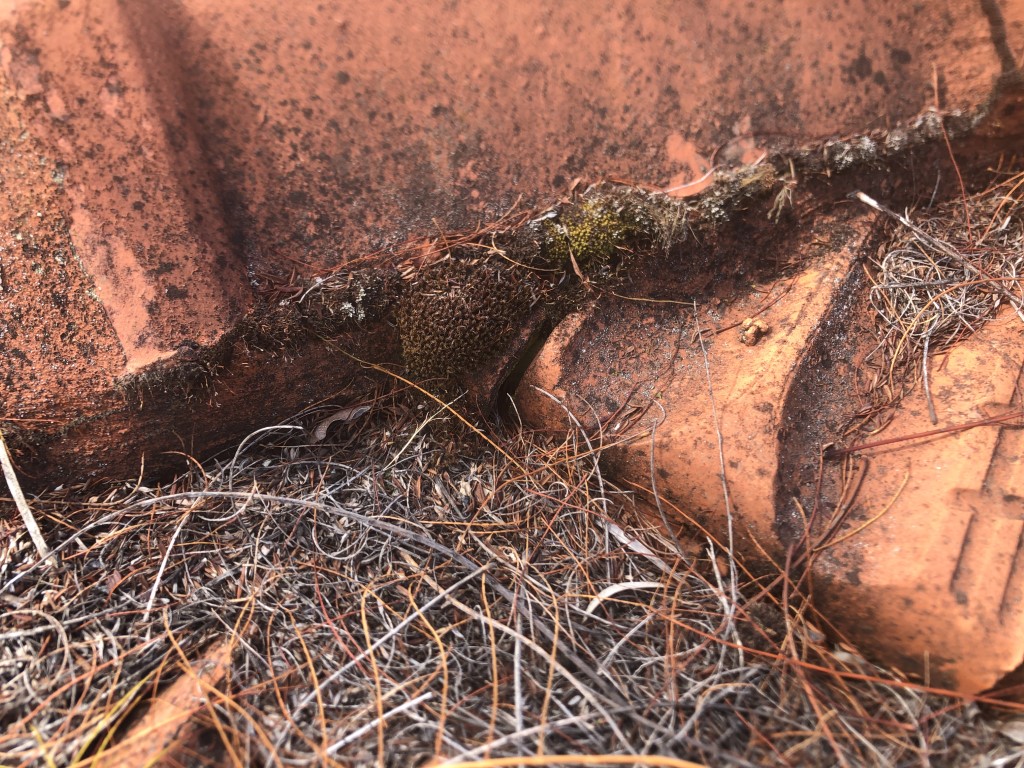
(601, 232)
(456, 314)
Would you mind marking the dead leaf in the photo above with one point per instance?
(345, 414)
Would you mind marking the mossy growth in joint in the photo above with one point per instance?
(344, 300)
(732, 191)
(456, 314)
(182, 378)
(601, 232)
(268, 328)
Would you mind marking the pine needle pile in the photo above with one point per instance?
(945, 273)
(406, 594)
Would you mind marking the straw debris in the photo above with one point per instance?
(405, 594)
(943, 275)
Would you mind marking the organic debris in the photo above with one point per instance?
(409, 595)
(943, 275)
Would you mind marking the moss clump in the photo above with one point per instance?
(524, 245)
(600, 232)
(457, 314)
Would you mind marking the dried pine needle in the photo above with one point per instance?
(458, 601)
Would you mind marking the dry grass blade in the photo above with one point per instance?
(412, 594)
(24, 509)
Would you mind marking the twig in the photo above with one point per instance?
(924, 381)
(721, 458)
(19, 501)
